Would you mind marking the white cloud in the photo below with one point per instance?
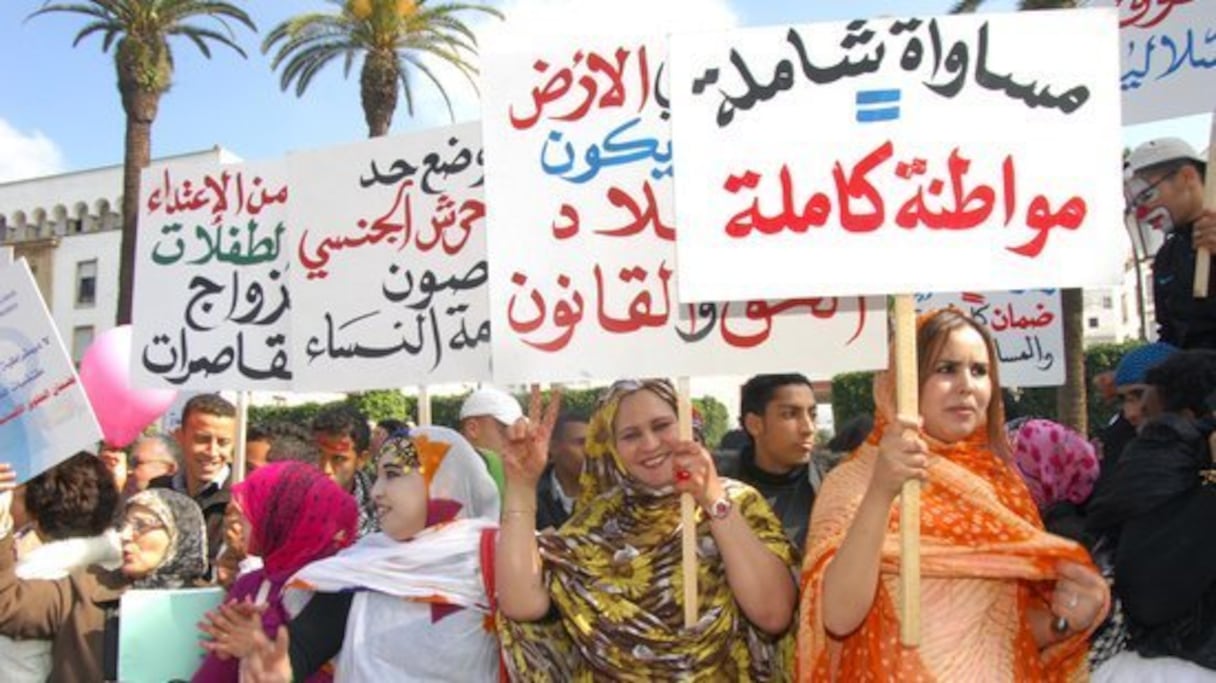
(25, 156)
(559, 18)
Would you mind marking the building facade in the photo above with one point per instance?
(69, 229)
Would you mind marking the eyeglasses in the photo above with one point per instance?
(1150, 193)
(140, 525)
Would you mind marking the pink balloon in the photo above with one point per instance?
(105, 372)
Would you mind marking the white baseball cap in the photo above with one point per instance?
(493, 402)
(1160, 151)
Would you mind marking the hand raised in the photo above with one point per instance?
(527, 450)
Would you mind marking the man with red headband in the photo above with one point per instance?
(343, 437)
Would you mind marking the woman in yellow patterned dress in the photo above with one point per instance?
(600, 598)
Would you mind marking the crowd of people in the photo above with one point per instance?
(547, 545)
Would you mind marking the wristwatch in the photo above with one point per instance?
(720, 508)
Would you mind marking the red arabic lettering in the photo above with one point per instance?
(641, 307)
(225, 195)
(951, 203)
(602, 86)
(396, 226)
(567, 313)
(1137, 12)
(640, 218)
(1004, 318)
(858, 187)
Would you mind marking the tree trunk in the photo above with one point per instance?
(1071, 399)
(378, 91)
(140, 106)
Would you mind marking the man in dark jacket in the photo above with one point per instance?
(559, 486)
(1171, 176)
(1158, 505)
(777, 412)
(207, 436)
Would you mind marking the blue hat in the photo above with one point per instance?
(1135, 363)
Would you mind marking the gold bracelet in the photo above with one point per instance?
(522, 511)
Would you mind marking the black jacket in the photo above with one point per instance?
(789, 495)
(1182, 320)
(1161, 511)
(549, 510)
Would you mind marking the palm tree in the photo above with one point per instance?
(393, 35)
(139, 31)
(1071, 398)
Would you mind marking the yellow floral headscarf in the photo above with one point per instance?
(613, 573)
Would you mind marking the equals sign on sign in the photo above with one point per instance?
(877, 105)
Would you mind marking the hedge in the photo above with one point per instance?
(852, 393)
(445, 410)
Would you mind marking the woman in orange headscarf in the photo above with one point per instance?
(1001, 599)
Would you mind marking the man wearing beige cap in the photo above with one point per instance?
(1169, 175)
(484, 418)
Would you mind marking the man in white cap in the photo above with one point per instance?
(484, 418)
(1170, 176)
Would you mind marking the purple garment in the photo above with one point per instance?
(296, 515)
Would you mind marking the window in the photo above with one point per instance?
(1093, 323)
(82, 337)
(86, 283)
(1107, 302)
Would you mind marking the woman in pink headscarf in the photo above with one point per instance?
(1059, 467)
(294, 515)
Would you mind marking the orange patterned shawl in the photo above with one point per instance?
(985, 559)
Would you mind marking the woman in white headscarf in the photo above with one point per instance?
(408, 603)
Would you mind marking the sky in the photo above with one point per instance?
(60, 110)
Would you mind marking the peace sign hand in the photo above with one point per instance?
(527, 450)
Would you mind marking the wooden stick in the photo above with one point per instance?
(1203, 257)
(239, 467)
(907, 392)
(688, 520)
(424, 407)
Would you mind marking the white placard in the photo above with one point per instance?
(210, 308)
(899, 155)
(1027, 327)
(1167, 51)
(581, 233)
(45, 416)
(389, 275)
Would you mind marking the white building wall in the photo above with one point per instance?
(103, 247)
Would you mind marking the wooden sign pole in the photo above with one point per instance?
(907, 392)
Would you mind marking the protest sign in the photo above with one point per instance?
(582, 233)
(45, 416)
(390, 273)
(1167, 52)
(211, 301)
(1027, 328)
(158, 634)
(962, 153)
